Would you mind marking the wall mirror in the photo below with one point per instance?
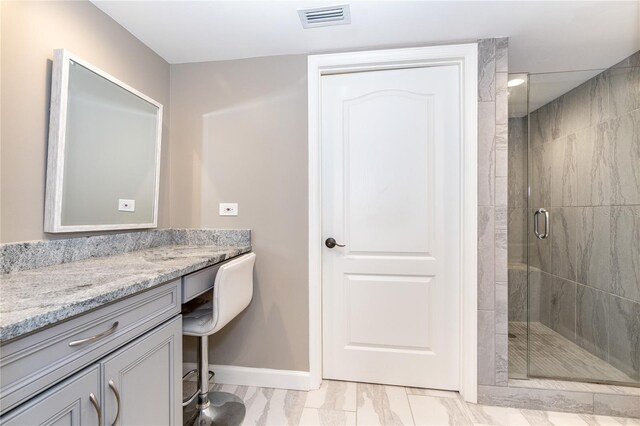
(103, 166)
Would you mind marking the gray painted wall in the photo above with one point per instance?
(29, 33)
(239, 134)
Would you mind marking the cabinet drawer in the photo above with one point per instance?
(66, 403)
(35, 362)
(199, 282)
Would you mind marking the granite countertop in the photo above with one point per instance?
(36, 298)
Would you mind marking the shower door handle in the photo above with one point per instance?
(536, 231)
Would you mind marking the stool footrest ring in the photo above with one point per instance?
(188, 400)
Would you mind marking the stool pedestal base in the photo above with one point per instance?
(225, 409)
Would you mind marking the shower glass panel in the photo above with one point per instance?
(517, 223)
(581, 223)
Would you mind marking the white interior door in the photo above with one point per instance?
(391, 156)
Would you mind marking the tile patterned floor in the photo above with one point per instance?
(347, 403)
(555, 356)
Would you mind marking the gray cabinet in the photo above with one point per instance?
(141, 383)
(70, 373)
(35, 362)
(68, 403)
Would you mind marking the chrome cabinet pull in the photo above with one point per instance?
(536, 230)
(117, 394)
(96, 405)
(96, 337)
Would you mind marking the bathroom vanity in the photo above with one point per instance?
(90, 327)
(99, 341)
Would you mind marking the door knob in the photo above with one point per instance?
(331, 243)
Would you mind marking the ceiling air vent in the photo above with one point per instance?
(325, 16)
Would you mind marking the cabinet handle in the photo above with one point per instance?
(96, 405)
(96, 337)
(117, 394)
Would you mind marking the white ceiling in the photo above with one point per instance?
(544, 35)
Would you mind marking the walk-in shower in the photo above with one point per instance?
(574, 225)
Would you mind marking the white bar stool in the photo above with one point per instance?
(232, 292)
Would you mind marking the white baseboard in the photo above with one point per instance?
(258, 377)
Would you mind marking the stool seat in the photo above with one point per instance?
(232, 293)
(199, 321)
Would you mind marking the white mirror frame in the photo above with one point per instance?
(55, 156)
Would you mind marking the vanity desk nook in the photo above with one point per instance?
(91, 328)
(80, 342)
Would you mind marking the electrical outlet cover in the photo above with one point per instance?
(228, 209)
(126, 205)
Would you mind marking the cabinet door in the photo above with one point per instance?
(145, 376)
(67, 403)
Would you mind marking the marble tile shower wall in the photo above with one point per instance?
(585, 158)
(492, 211)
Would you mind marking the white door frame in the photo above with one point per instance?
(465, 56)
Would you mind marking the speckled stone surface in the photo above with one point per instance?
(37, 254)
(35, 298)
(219, 237)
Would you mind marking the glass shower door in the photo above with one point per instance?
(517, 223)
(583, 225)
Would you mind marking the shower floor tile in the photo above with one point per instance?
(556, 357)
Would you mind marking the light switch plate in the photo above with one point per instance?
(228, 209)
(126, 205)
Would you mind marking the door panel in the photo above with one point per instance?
(371, 199)
(391, 194)
(146, 374)
(370, 321)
